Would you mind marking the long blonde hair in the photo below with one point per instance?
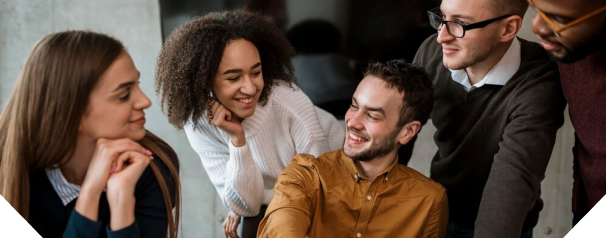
(48, 102)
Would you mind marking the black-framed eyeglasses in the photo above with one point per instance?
(456, 28)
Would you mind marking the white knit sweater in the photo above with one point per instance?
(287, 125)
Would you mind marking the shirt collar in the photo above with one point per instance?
(357, 176)
(67, 191)
(499, 74)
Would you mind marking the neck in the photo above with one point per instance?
(478, 71)
(373, 167)
(75, 170)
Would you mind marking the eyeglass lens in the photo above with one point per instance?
(454, 29)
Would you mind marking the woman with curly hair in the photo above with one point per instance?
(75, 158)
(226, 79)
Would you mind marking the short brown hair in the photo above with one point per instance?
(191, 55)
(412, 82)
(505, 7)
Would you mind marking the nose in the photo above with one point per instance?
(540, 27)
(443, 35)
(142, 101)
(248, 87)
(353, 120)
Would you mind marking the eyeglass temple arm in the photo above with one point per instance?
(579, 20)
(484, 23)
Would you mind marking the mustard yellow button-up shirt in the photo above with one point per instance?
(327, 197)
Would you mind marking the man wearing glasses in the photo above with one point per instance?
(574, 34)
(497, 107)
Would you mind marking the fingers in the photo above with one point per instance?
(113, 148)
(131, 157)
(218, 114)
(230, 226)
(225, 225)
(234, 228)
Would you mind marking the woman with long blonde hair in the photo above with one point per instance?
(75, 158)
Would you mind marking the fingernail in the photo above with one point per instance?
(151, 157)
(149, 152)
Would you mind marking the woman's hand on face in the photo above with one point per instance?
(127, 170)
(104, 160)
(121, 187)
(220, 116)
(230, 226)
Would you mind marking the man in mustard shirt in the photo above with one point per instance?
(361, 190)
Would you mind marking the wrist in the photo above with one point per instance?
(238, 140)
(87, 204)
(117, 196)
(122, 213)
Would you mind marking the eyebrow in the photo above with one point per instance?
(230, 71)
(129, 83)
(458, 16)
(374, 109)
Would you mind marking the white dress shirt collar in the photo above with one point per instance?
(499, 74)
(67, 191)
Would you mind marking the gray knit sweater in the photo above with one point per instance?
(494, 142)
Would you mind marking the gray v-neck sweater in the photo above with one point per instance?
(494, 142)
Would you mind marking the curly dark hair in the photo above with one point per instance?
(412, 82)
(191, 55)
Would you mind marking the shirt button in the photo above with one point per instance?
(367, 198)
(359, 235)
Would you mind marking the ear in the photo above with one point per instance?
(513, 25)
(408, 131)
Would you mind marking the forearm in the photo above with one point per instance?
(287, 222)
(87, 204)
(122, 210)
(513, 186)
(244, 190)
(231, 169)
(506, 203)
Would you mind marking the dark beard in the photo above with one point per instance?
(384, 146)
(594, 45)
(572, 56)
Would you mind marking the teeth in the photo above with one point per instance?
(247, 100)
(356, 138)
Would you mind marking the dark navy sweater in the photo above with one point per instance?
(50, 218)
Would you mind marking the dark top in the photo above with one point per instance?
(494, 142)
(584, 85)
(50, 218)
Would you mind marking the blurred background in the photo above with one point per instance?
(335, 40)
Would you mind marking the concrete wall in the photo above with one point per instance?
(137, 24)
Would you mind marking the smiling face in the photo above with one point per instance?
(371, 120)
(239, 80)
(115, 109)
(477, 44)
(577, 41)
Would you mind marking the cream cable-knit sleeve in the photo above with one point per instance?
(333, 130)
(305, 128)
(231, 169)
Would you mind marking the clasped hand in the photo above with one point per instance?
(219, 116)
(116, 166)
